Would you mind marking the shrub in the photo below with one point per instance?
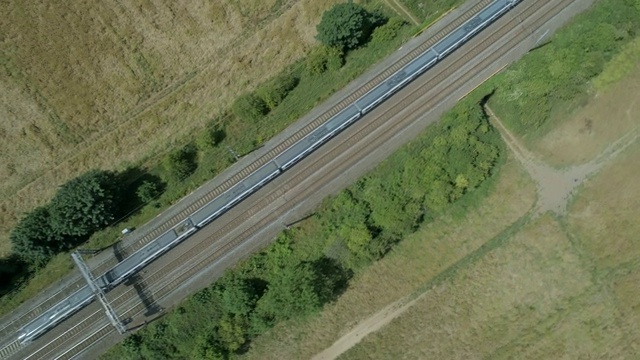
(388, 31)
(324, 58)
(148, 191)
(181, 163)
(249, 107)
(210, 136)
(274, 91)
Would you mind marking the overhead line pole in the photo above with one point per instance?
(86, 273)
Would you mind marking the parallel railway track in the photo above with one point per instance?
(202, 254)
(143, 237)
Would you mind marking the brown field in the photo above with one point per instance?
(99, 84)
(561, 286)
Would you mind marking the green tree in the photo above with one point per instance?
(292, 292)
(237, 295)
(148, 191)
(249, 107)
(33, 240)
(85, 204)
(182, 162)
(345, 26)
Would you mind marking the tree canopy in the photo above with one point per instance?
(182, 162)
(250, 107)
(345, 26)
(85, 204)
(33, 239)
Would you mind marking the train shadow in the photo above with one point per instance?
(140, 286)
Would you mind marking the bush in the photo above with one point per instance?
(345, 26)
(148, 191)
(86, 204)
(388, 31)
(274, 91)
(181, 163)
(210, 137)
(542, 82)
(249, 107)
(324, 58)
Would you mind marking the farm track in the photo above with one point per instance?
(144, 236)
(202, 254)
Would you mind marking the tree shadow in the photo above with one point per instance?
(131, 179)
(14, 273)
(333, 278)
(218, 134)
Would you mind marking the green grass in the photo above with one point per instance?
(429, 10)
(556, 79)
(619, 67)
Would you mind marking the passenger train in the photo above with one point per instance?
(267, 172)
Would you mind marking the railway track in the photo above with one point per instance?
(201, 254)
(143, 237)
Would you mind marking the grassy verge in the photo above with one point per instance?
(429, 10)
(557, 78)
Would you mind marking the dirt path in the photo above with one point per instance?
(556, 186)
(366, 327)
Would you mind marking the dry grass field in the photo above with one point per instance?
(99, 84)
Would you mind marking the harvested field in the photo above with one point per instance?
(99, 84)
